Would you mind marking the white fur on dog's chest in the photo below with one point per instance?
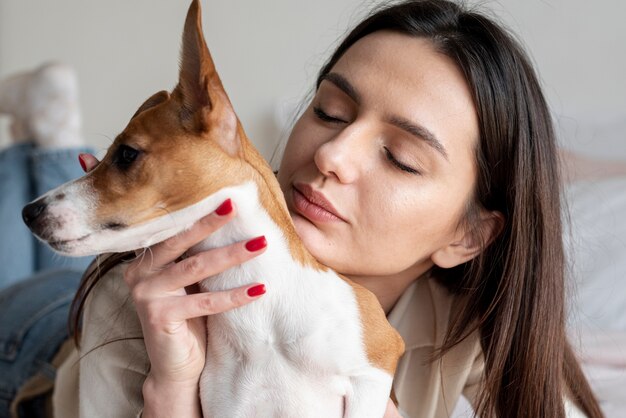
(276, 357)
(293, 351)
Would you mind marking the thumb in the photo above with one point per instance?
(87, 161)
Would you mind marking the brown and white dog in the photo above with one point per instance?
(316, 340)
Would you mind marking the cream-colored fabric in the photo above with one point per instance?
(64, 396)
(426, 388)
(107, 380)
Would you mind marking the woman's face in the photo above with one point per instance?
(379, 168)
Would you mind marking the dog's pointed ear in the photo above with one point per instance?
(205, 104)
(155, 99)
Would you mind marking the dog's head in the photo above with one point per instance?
(177, 149)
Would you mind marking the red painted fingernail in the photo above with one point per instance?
(82, 162)
(225, 208)
(256, 244)
(257, 290)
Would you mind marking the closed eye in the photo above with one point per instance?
(398, 164)
(326, 117)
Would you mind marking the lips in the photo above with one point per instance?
(313, 205)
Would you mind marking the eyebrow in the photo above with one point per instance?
(406, 125)
(343, 84)
(420, 132)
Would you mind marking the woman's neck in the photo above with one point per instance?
(388, 289)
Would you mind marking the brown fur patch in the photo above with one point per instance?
(383, 344)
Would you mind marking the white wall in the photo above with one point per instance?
(269, 52)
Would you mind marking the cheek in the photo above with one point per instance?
(429, 214)
(399, 228)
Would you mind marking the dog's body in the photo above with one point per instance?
(299, 351)
(316, 345)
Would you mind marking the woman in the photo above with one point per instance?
(429, 134)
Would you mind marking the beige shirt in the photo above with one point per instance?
(108, 379)
(105, 378)
(426, 388)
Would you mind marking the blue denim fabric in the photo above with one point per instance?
(36, 285)
(33, 325)
(17, 245)
(27, 172)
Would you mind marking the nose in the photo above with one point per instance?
(32, 211)
(343, 156)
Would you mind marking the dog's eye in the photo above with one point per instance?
(125, 156)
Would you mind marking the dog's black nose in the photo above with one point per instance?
(32, 211)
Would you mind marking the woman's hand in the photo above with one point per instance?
(172, 316)
(172, 319)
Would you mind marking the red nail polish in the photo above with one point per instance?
(256, 244)
(257, 290)
(225, 208)
(82, 162)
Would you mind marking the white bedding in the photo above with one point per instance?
(597, 250)
(596, 246)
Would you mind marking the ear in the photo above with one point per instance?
(152, 101)
(204, 102)
(469, 242)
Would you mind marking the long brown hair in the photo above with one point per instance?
(516, 285)
(94, 272)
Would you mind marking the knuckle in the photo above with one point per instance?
(236, 298)
(193, 265)
(153, 314)
(207, 304)
(138, 292)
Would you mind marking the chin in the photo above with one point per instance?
(315, 241)
(333, 248)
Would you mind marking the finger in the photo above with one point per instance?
(202, 304)
(172, 248)
(391, 411)
(207, 263)
(87, 161)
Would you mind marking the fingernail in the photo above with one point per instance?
(256, 244)
(82, 162)
(257, 290)
(225, 208)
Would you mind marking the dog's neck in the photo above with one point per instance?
(270, 202)
(252, 220)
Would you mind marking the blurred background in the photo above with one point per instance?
(268, 53)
